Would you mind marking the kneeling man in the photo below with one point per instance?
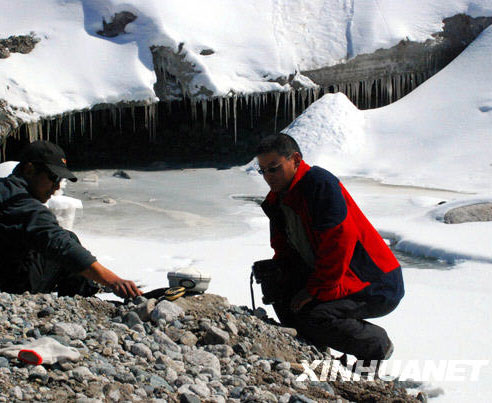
(36, 254)
(333, 269)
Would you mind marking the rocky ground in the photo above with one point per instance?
(198, 348)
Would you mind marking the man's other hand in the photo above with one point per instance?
(102, 275)
(300, 299)
(125, 288)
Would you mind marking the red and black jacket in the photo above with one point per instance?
(350, 255)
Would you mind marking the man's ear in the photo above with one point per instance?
(28, 170)
(297, 158)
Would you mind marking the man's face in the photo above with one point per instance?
(42, 184)
(278, 170)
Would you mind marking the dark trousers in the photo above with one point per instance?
(340, 324)
(38, 273)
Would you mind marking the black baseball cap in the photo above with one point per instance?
(50, 155)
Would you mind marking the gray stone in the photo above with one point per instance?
(142, 350)
(39, 373)
(264, 365)
(288, 330)
(200, 389)
(107, 337)
(71, 330)
(4, 362)
(188, 339)
(214, 335)
(188, 397)
(166, 310)
(125, 377)
(231, 327)
(178, 366)
(17, 393)
(145, 309)
(157, 382)
(104, 369)
(470, 213)
(170, 375)
(202, 359)
(325, 386)
(131, 319)
(82, 373)
(165, 341)
(300, 399)
(139, 328)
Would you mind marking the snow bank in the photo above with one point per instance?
(437, 136)
(331, 132)
(253, 43)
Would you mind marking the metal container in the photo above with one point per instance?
(191, 278)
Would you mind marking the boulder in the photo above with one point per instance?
(471, 213)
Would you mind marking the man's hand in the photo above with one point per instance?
(300, 299)
(125, 288)
(102, 275)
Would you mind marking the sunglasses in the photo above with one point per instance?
(272, 170)
(269, 170)
(51, 176)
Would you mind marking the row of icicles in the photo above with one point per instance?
(51, 128)
(385, 90)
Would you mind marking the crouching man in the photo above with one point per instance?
(331, 269)
(36, 254)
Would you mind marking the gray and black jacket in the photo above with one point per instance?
(26, 224)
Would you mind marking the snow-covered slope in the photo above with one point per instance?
(254, 43)
(437, 136)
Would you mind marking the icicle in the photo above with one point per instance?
(277, 101)
(40, 129)
(69, 129)
(4, 150)
(212, 107)
(146, 116)
(303, 99)
(315, 94)
(251, 105)
(234, 107)
(132, 111)
(286, 105)
(227, 112)
(48, 124)
(246, 99)
(82, 123)
(193, 109)
(152, 122)
(204, 112)
(90, 125)
(220, 109)
(119, 117)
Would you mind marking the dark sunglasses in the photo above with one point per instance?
(51, 176)
(270, 170)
